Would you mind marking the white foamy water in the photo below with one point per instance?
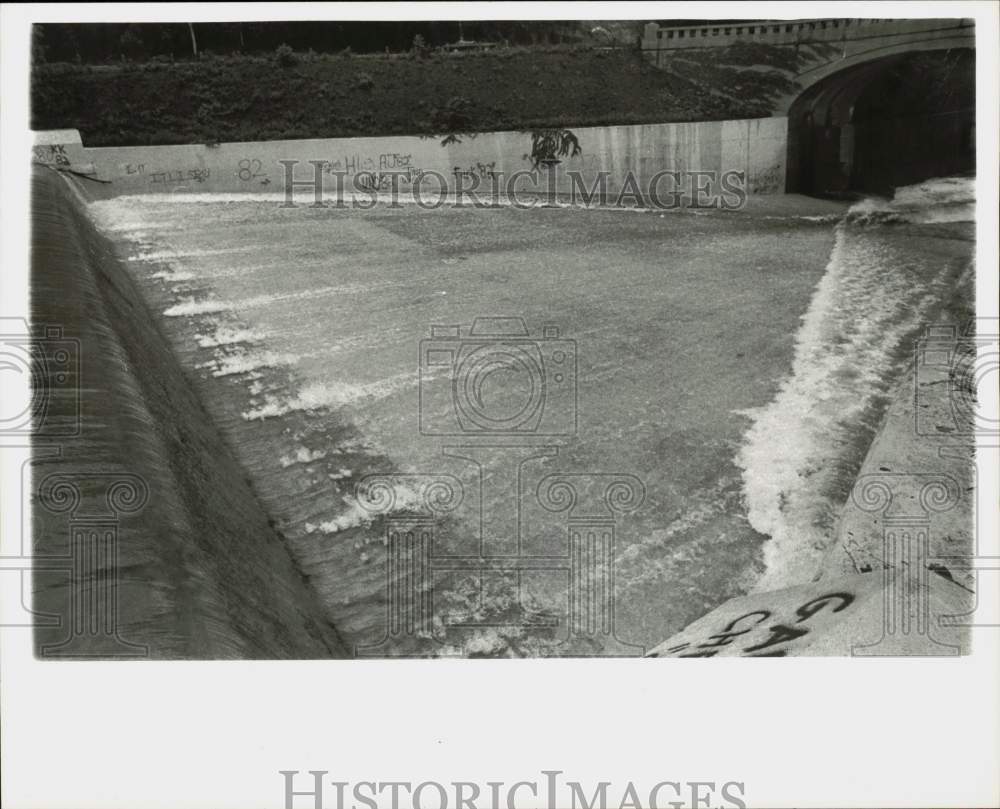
(303, 455)
(190, 307)
(173, 275)
(320, 395)
(428, 199)
(947, 199)
(175, 255)
(405, 498)
(228, 335)
(351, 296)
(230, 365)
(805, 446)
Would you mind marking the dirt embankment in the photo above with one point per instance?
(255, 98)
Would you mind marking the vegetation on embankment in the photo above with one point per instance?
(288, 95)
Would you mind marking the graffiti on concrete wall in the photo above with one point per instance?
(198, 175)
(393, 161)
(251, 169)
(381, 172)
(731, 637)
(769, 181)
(384, 180)
(384, 164)
(53, 154)
(358, 164)
(479, 170)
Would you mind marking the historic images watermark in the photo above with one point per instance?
(502, 400)
(314, 790)
(83, 556)
(525, 189)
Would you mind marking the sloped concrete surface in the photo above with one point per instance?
(148, 541)
(868, 615)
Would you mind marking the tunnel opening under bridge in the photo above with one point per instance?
(884, 123)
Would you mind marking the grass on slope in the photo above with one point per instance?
(240, 98)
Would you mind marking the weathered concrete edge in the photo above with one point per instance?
(200, 573)
(918, 468)
(917, 480)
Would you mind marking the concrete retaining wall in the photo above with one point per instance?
(756, 147)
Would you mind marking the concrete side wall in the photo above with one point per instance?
(61, 148)
(756, 147)
(918, 477)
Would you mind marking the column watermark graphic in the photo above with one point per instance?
(93, 505)
(906, 557)
(956, 364)
(964, 362)
(74, 552)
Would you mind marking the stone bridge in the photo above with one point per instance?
(831, 45)
(842, 136)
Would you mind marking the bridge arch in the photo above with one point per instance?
(874, 40)
(840, 140)
(850, 131)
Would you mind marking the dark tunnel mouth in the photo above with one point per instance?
(842, 144)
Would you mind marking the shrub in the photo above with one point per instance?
(552, 144)
(285, 56)
(131, 43)
(455, 117)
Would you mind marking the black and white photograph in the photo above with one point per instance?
(410, 337)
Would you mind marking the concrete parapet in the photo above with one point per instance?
(754, 147)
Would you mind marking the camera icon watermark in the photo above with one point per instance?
(965, 363)
(496, 540)
(50, 361)
(63, 585)
(497, 381)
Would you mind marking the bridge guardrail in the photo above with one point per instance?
(788, 32)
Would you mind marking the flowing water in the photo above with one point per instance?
(888, 275)
(724, 372)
